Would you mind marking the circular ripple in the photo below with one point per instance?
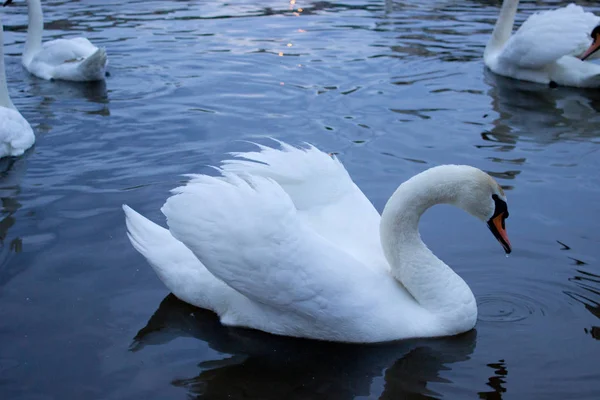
(508, 307)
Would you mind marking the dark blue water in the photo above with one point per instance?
(393, 88)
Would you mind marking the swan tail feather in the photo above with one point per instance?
(176, 266)
(94, 66)
(143, 233)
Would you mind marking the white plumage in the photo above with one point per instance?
(546, 46)
(75, 59)
(16, 134)
(286, 243)
(321, 203)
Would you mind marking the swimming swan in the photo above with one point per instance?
(75, 59)
(16, 134)
(548, 48)
(286, 243)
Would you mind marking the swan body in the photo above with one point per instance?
(16, 134)
(283, 241)
(75, 59)
(545, 48)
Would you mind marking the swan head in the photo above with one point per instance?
(595, 46)
(482, 197)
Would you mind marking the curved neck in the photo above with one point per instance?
(35, 30)
(4, 97)
(503, 27)
(431, 282)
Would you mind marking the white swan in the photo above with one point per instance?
(16, 134)
(291, 246)
(546, 47)
(75, 59)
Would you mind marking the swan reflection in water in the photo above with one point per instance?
(264, 366)
(72, 93)
(588, 294)
(535, 113)
(531, 112)
(12, 171)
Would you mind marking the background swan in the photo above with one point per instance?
(75, 59)
(16, 134)
(545, 48)
(291, 246)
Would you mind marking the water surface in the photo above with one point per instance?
(393, 88)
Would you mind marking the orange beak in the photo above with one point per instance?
(496, 225)
(591, 50)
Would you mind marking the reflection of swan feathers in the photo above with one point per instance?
(588, 294)
(528, 111)
(286, 243)
(263, 366)
(52, 92)
(12, 171)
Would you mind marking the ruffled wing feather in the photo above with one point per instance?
(549, 35)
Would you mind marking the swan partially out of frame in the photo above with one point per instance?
(16, 134)
(73, 59)
(549, 47)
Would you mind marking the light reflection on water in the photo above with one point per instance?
(392, 88)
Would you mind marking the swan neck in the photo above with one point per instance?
(4, 97)
(35, 30)
(504, 26)
(430, 281)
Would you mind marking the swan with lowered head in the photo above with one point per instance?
(75, 59)
(16, 134)
(548, 48)
(285, 242)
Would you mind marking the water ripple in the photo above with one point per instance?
(393, 87)
(509, 307)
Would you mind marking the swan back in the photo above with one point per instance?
(297, 282)
(255, 216)
(323, 194)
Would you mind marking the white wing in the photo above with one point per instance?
(59, 51)
(324, 195)
(549, 35)
(74, 59)
(248, 234)
(16, 134)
